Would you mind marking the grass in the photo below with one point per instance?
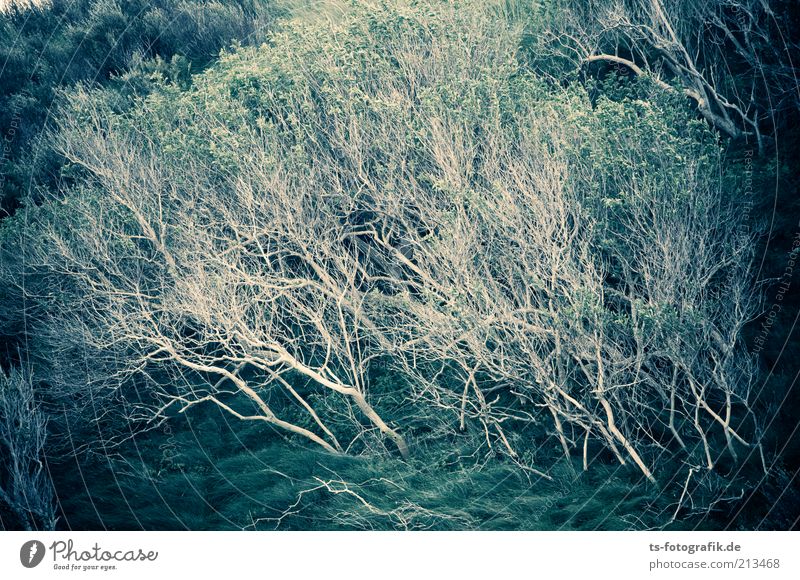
(208, 474)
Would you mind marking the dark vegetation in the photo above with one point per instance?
(122, 45)
(418, 266)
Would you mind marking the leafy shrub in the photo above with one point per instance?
(389, 230)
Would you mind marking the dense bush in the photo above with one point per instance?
(58, 43)
(26, 490)
(395, 235)
(400, 188)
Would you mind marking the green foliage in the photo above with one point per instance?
(642, 167)
(127, 45)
